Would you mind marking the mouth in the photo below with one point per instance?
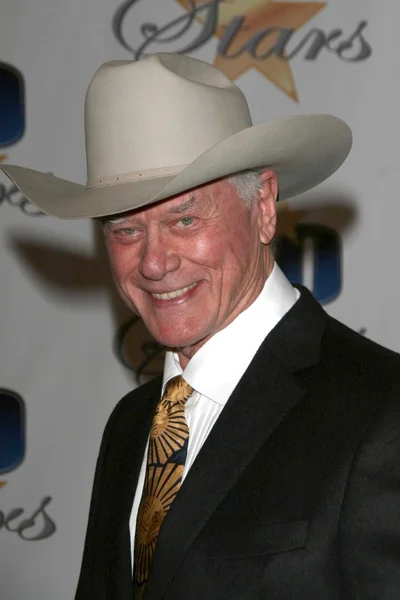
(174, 294)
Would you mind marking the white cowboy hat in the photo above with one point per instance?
(168, 123)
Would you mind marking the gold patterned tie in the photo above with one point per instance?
(169, 436)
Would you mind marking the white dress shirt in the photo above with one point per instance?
(216, 368)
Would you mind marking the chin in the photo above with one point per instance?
(175, 340)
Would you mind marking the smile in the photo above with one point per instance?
(174, 294)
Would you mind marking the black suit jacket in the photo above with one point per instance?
(295, 493)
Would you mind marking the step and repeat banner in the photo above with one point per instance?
(69, 348)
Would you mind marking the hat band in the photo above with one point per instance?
(134, 176)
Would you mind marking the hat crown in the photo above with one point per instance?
(160, 112)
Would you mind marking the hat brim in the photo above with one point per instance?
(304, 150)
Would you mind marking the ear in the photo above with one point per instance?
(267, 205)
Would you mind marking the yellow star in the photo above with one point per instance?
(3, 157)
(259, 15)
(2, 483)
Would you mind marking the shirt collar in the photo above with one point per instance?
(216, 368)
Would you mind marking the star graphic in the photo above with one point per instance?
(2, 483)
(287, 221)
(259, 15)
(3, 157)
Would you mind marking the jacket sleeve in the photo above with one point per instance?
(369, 531)
(92, 577)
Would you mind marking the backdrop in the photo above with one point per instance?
(69, 349)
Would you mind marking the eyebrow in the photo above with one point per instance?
(183, 207)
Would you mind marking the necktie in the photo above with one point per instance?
(169, 436)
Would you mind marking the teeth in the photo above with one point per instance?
(174, 294)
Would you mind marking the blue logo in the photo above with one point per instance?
(36, 525)
(12, 110)
(12, 430)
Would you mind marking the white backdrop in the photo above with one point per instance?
(59, 313)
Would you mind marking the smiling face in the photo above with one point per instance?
(190, 264)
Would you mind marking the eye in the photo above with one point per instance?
(124, 235)
(186, 221)
(126, 231)
(123, 231)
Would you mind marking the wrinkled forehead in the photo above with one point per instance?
(198, 198)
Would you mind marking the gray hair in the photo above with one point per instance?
(247, 184)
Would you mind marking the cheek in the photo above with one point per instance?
(207, 251)
(224, 252)
(214, 245)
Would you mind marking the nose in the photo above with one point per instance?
(157, 258)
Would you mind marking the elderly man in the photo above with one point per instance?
(265, 464)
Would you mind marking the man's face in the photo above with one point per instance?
(190, 264)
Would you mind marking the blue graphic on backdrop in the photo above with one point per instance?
(12, 430)
(12, 111)
(12, 128)
(30, 526)
(326, 259)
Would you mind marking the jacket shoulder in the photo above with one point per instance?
(359, 358)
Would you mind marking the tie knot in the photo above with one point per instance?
(177, 390)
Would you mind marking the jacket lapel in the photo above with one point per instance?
(125, 455)
(266, 393)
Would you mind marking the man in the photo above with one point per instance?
(266, 462)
